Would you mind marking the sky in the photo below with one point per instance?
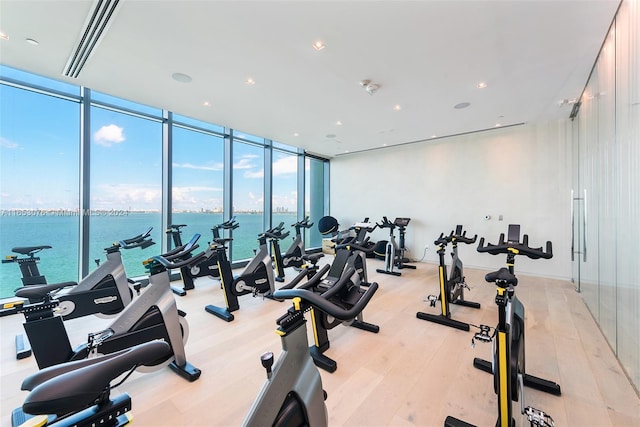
(39, 152)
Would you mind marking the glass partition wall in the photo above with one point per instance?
(80, 170)
(606, 190)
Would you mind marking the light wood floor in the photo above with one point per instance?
(412, 373)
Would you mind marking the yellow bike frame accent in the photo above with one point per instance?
(505, 418)
(315, 328)
(443, 292)
(224, 292)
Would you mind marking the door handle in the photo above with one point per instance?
(573, 231)
(584, 224)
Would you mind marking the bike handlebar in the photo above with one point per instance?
(278, 235)
(516, 248)
(141, 240)
(304, 223)
(386, 223)
(323, 304)
(462, 238)
(182, 250)
(231, 224)
(443, 240)
(458, 235)
(180, 254)
(351, 245)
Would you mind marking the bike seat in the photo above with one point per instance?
(177, 226)
(312, 257)
(38, 292)
(502, 275)
(73, 386)
(27, 250)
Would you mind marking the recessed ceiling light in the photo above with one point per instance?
(481, 85)
(4, 36)
(296, 134)
(250, 81)
(397, 107)
(206, 103)
(32, 41)
(433, 136)
(182, 78)
(498, 125)
(384, 145)
(461, 105)
(318, 45)
(338, 123)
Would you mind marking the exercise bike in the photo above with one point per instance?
(28, 263)
(295, 256)
(394, 254)
(104, 292)
(257, 278)
(152, 315)
(358, 246)
(451, 288)
(508, 365)
(208, 268)
(30, 273)
(275, 235)
(78, 393)
(339, 283)
(292, 395)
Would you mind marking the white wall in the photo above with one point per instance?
(521, 172)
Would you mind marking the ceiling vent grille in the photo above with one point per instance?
(95, 27)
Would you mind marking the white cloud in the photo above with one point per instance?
(213, 167)
(195, 188)
(285, 165)
(109, 135)
(287, 200)
(244, 163)
(254, 174)
(196, 197)
(5, 143)
(124, 196)
(186, 194)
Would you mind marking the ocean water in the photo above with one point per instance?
(60, 231)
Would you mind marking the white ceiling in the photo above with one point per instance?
(427, 56)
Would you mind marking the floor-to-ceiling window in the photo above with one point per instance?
(248, 194)
(125, 183)
(284, 191)
(197, 178)
(39, 176)
(93, 162)
(315, 198)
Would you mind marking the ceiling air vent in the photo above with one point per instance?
(94, 29)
